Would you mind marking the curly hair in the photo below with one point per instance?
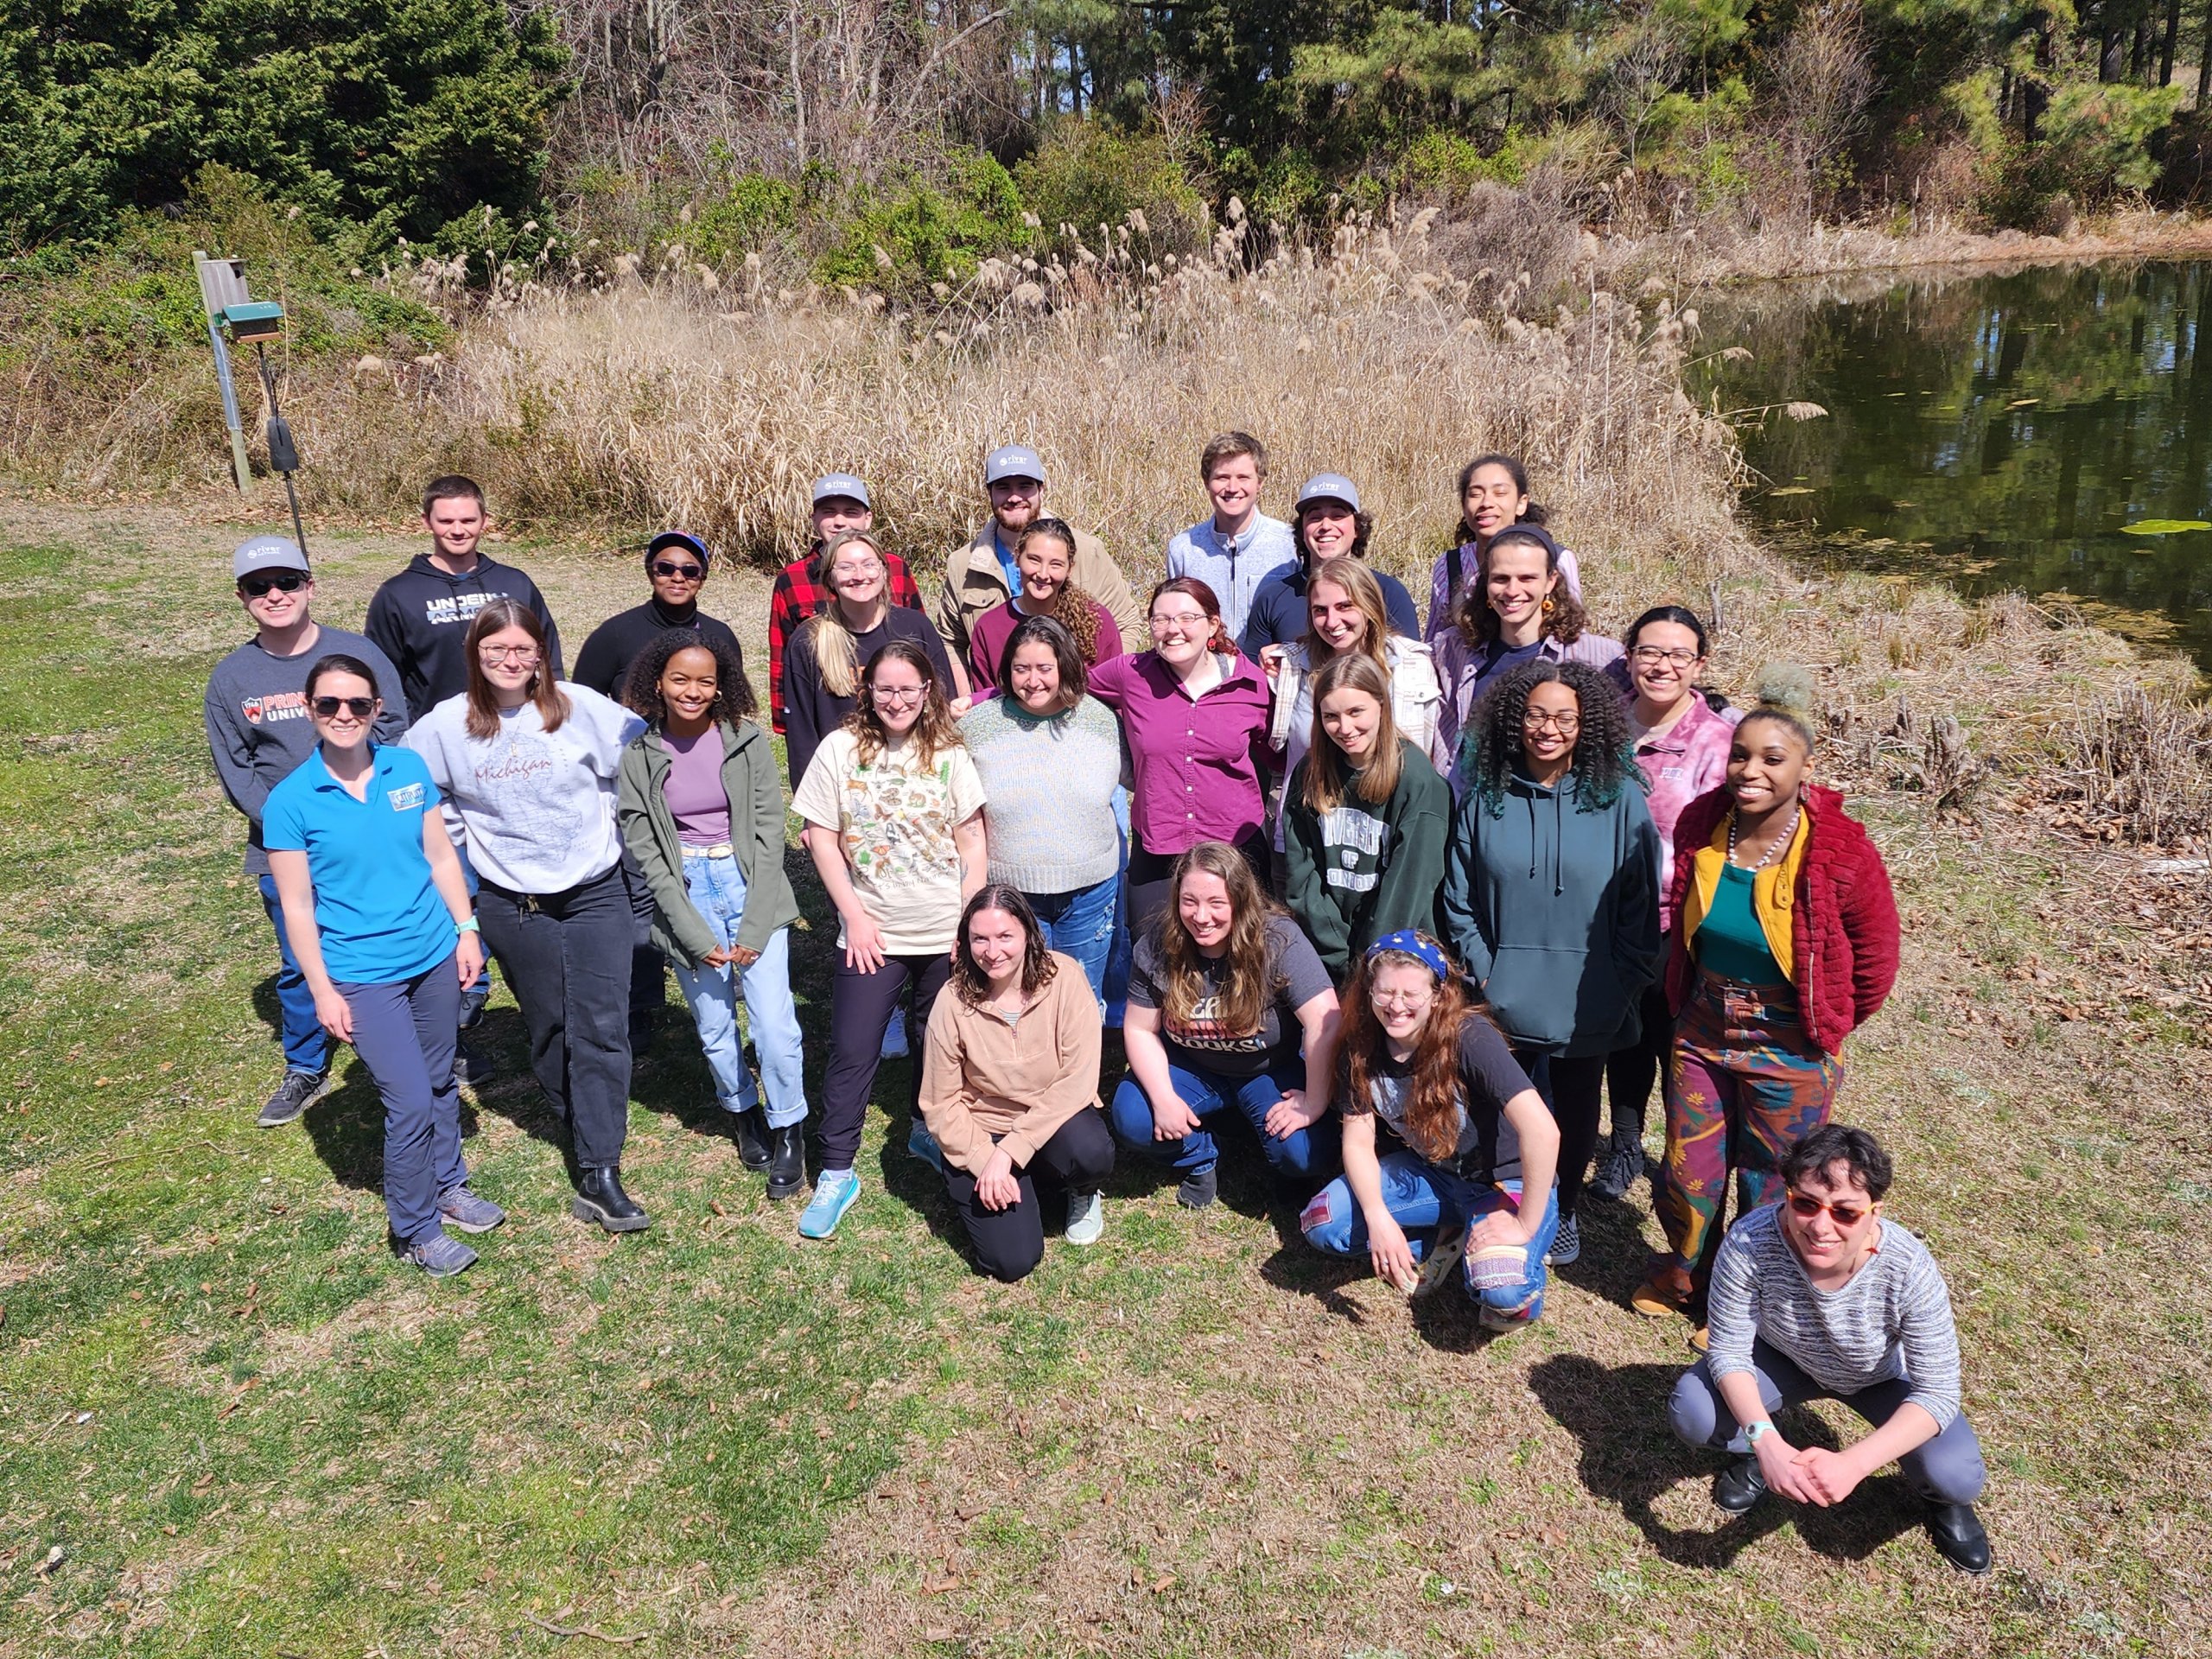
(1436, 1098)
(1564, 617)
(969, 980)
(934, 731)
(1604, 756)
(1242, 1002)
(734, 698)
(1072, 606)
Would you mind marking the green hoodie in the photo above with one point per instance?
(1553, 907)
(1359, 872)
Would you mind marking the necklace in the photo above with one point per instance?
(1774, 846)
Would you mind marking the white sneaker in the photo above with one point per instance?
(1444, 1259)
(895, 1036)
(1086, 1218)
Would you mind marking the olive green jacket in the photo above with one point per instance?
(755, 789)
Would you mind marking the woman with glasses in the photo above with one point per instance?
(1551, 893)
(893, 810)
(677, 567)
(1443, 1135)
(1194, 713)
(1682, 749)
(529, 767)
(377, 912)
(1785, 941)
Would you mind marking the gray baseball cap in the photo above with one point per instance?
(843, 484)
(1013, 460)
(1329, 486)
(266, 553)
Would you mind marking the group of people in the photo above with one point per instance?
(1410, 897)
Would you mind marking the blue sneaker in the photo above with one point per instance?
(921, 1144)
(895, 1036)
(834, 1193)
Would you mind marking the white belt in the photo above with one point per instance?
(720, 849)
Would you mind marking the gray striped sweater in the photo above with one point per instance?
(1892, 1320)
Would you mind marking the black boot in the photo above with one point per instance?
(1959, 1536)
(599, 1198)
(1739, 1486)
(752, 1143)
(786, 1159)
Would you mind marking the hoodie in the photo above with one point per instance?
(1552, 906)
(1361, 871)
(419, 620)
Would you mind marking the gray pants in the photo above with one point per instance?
(404, 1034)
(1946, 1469)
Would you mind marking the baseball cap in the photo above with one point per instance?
(1013, 460)
(684, 540)
(266, 553)
(1329, 486)
(843, 484)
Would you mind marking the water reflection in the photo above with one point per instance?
(1997, 430)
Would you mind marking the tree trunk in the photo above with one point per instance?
(2108, 53)
(2166, 46)
(2204, 65)
(2140, 48)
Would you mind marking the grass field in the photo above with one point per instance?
(232, 1423)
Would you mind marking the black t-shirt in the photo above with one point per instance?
(1201, 1043)
(1488, 1148)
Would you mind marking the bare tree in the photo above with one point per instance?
(1823, 77)
(1640, 76)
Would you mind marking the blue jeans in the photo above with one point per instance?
(307, 1044)
(1115, 989)
(717, 889)
(1307, 1152)
(1081, 924)
(1422, 1197)
(404, 1033)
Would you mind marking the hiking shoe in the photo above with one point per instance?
(1665, 1291)
(1199, 1188)
(921, 1144)
(786, 1159)
(1738, 1487)
(473, 1001)
(1619, 1172)
(440, 1256)
(751, 1132)
(1086, 1218)
(833, 1195)
(1959, 1537)
(459, 1207)
(894, 1037)
(1567, 1243)
(299, 1090)
(471, 1066)
(1702, 1340)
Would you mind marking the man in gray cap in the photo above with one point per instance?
(1330, 524)
(841, 503)
(981, 574)
(257, 730)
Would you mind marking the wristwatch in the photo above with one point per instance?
(468, 926)
(1754, 1432)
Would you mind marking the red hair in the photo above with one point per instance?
(1192, 587)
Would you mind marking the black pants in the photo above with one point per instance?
(1149, 874)
(859, 1012)
(567, 957)
(1574, 1090)
(1632, 1071)
(648, 967)
(1010, 1242)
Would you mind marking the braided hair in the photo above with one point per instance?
(1603, 760)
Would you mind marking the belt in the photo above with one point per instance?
(720, 849)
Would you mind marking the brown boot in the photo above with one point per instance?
(1665, 1291)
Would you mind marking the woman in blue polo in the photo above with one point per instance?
(378, 911)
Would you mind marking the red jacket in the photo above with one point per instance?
(1845, 928)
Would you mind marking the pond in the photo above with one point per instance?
(1995, 430)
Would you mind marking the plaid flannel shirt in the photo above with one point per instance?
(798, 596)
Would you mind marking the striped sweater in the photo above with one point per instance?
(1892, 1319)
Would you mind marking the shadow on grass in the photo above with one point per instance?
(1630, 1459)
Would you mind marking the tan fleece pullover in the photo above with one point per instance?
(983, 1077)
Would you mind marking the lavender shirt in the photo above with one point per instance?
(1196, 764)
(694, 790)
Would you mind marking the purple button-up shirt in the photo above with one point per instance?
(1196, 763)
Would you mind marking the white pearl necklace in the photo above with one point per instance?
(1773, 846)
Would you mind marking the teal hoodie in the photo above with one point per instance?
(1552, 906)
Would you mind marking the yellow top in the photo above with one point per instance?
(1774, 889)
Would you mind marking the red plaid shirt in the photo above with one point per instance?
(798, 596)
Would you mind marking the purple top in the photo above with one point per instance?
(988, 634)
(1196, 764)
(1460, 666)
(1440, 584)
(694, 790)
(1680, 764)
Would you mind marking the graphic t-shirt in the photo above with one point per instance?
(1487, 1150)
(1202, 1043)
(896, 818)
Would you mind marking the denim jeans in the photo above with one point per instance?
(1115, 989)
(1423, 1198)
(306, 1045)
(1308, 1151)
(1081, 924)
(717, 889)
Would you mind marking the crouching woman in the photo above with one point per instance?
(1010, 1086)
(1443, 1135)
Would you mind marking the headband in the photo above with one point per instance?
(1406, 942)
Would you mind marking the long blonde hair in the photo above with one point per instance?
(1327, 771)
(1242, 1001)
(835, 657)
(1353, 575)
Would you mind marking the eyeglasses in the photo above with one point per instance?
(686, 572)
(1804, 1206)
(855, 572)
(1565, 724)
(1185, 619)
(1651, 657)
(1402, 999)
(284, 581)
(525, 655)
(898, 694)
(359, 708)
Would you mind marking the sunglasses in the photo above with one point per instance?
(359, 708)
(669, 567)
(284, 581)
(1805, 1207)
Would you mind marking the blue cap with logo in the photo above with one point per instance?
(1013, 460)
(844, 483)
(266, 553)
(1329, 486)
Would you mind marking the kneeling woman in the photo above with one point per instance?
(1442, 1132)
(1223, 993)
(1010, 1086)
(377, 912)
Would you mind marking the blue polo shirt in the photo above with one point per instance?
(379, 915)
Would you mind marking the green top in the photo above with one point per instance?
(1730, 941)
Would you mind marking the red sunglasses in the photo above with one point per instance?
(1805, 1207)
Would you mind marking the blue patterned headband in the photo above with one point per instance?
(1408, 943)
